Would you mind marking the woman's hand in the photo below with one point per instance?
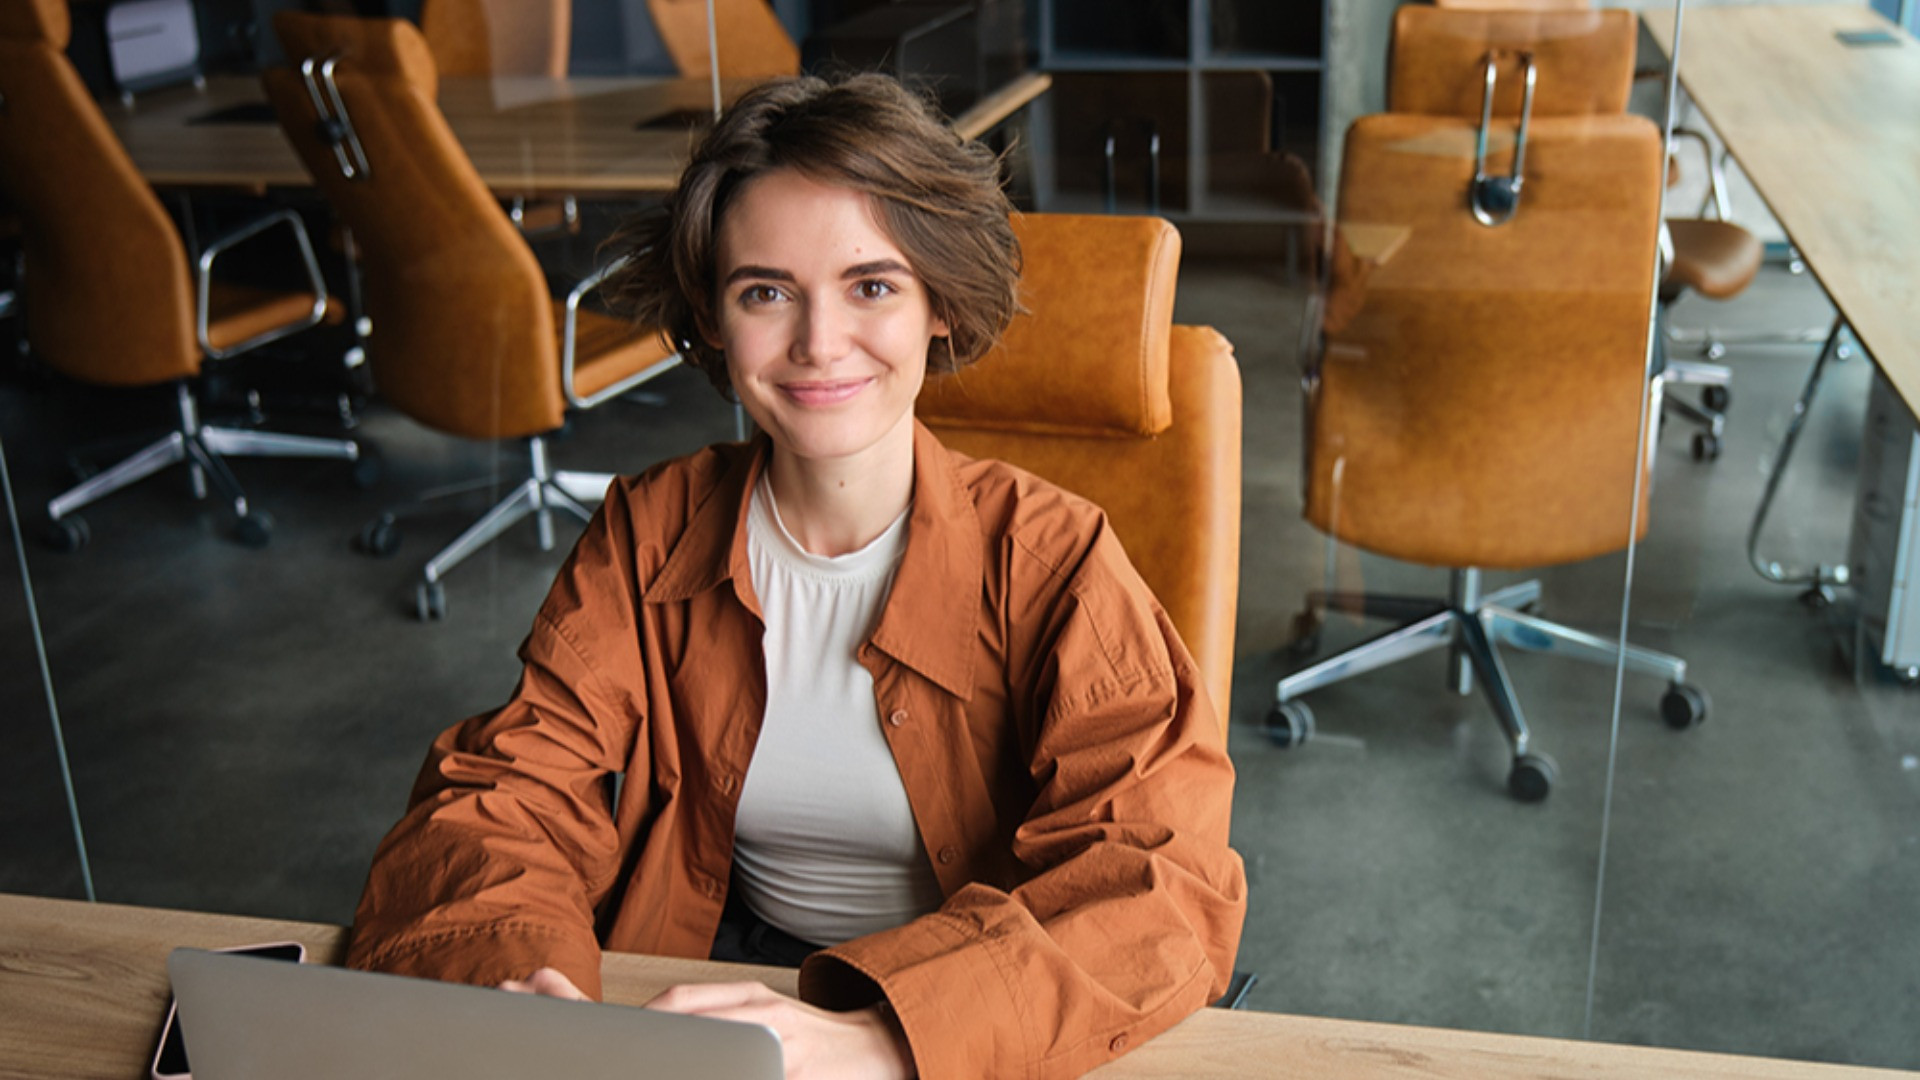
(546, 981)
(867, 1043)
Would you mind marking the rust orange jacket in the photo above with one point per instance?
(1064, 765)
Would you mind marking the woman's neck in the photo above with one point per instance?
(837, 506)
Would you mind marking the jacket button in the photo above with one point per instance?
(1119, 1043)
(725, 783)
(947, 855)
(897, 717)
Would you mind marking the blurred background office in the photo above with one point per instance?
(1718, 856)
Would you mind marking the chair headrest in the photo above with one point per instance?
(1088, 356)
(36, 20)
(368, 46)
(1584, 60)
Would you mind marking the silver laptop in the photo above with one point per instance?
(248, 1018)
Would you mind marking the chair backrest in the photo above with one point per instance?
(753, 44)
(1583, 59)
(1478, 402)
(108, 297)
(1094, 389)
(463, 335)
(480, 38)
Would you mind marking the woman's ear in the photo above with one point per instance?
(703, 324)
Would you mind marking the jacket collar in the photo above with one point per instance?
(929, 620)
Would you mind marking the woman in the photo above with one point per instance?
(838, 697)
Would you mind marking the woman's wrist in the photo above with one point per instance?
(889, 1022)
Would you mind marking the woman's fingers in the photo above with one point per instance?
(547, 982)
(705, 999)
(860, 1045)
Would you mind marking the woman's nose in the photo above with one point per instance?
(823, 335)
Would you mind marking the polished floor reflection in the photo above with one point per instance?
(244, 724)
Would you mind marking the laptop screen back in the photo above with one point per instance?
(246, 1018)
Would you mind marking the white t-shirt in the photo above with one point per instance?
(825, 846)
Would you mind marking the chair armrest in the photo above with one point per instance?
(569, 331)
(204, 283)
(1716, 174)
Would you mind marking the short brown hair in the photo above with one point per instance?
(935, 194)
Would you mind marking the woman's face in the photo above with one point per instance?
(826, 328)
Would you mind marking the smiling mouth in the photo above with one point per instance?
(823, 393)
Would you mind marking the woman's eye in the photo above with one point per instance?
(873, 290)
(760, 294)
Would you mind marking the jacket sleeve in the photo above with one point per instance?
(1129, 914)
(508, 843)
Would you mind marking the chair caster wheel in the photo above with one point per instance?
(1289, 724)
(367, 468)
(1716, 398)
(254, 528)
(1684, 706)
(380, 538)
(1532, 777)
(430, 601)
(68, 535)
(1706, 446)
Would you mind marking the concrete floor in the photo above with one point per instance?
(243, 725)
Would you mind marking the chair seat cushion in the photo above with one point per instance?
(236, 313)
(608, 350)
(1717, 259)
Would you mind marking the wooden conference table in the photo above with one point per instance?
(83, 988)
(525, 135)
(1830, 136)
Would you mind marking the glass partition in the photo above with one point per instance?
(1440, 494)
(39, 850)
(1760, 869)
(1439, 370)
(245, 721)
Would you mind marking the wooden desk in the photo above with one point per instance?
(526, 136)
(83, 988)
(1830, 136)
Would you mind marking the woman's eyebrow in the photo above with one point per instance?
(763, 273)
(878, 266)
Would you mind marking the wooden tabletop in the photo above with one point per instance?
(83, 989)
(1830, 136)
(526, 135)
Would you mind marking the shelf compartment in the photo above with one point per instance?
(1117, 29)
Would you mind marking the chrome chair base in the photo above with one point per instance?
(1474, 628)
(204, 449)
(544, 491)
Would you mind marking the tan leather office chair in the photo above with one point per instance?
(752, 43)
(480, 39)
(465, 338)
(1718, 259)
(109, 296)
(1480, 405)
(1096, 390)
(1583, 61)
(484, 38)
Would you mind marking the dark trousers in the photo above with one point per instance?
(746, 938)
